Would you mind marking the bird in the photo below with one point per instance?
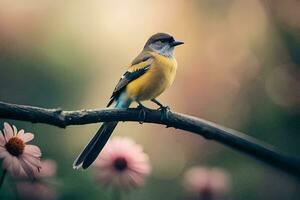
(148, 76)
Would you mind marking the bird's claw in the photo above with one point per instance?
(165, 111)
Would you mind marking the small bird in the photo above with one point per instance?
(150, 74)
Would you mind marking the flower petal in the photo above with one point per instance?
(26, 137)
(15, 130)
(7, 161)
(20, 133)
(32, 160)
(27, 168)
(2, 139)
(3, 152)
(15, 167)
(8, 131)
(32, 150)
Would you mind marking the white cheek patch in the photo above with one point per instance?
(155, 47)
(165, 50)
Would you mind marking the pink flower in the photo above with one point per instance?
(47, 169)
(35, 191)
(19, 158)
(206, 183)
(39, 189)
(122, 164)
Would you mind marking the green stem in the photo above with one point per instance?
(14, 188)
(117, 194)
(2, 178)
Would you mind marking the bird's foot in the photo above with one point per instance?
(142, 113)
(165, 111)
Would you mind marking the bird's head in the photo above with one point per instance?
(162, 43)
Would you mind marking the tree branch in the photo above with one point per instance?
(208, 130)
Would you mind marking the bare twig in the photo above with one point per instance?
(208, 130)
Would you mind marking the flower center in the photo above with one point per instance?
(15, 146)
(120, 164)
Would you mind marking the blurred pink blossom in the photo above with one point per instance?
(122, 164)
(19, 158)
(47, 170)
(39, 189)
(35, 191)
(203, 183)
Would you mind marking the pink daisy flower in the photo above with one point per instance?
(18, 157)
(122, 164)
(202, 183)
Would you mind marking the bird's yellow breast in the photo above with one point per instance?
(158, 78)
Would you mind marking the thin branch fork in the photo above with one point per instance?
(209, 130)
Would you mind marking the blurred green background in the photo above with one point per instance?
(239, 67)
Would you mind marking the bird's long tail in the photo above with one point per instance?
(96, 144)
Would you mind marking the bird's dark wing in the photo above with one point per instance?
(140, 65)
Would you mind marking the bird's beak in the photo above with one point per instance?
(176, 43)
